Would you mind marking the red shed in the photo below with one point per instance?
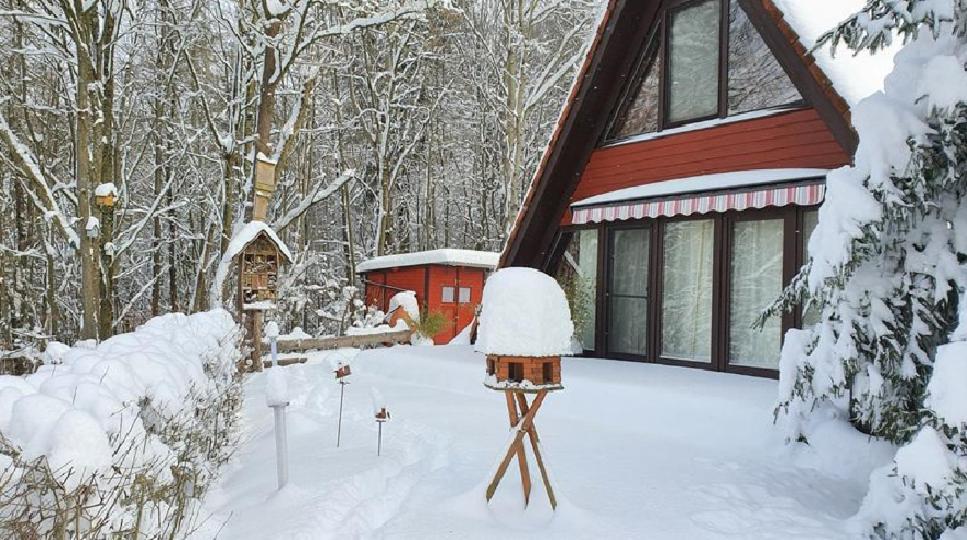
(447, 281)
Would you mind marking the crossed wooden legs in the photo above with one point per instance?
(522, 419)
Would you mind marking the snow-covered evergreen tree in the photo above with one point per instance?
(889, 270)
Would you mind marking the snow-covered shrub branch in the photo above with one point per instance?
(122, 438)
(888, 269)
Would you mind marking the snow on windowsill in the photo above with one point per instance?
(448, 257)
(709, 182)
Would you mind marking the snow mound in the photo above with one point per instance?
(407, 301)
(271, 329)
(78, 411)
(525, 313)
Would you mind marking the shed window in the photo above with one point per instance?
(448, 294)
(693, 59)
(464, 295)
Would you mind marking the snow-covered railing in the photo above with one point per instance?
(120, 439)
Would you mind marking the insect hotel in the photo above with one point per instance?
(525, 327)
(261, 255)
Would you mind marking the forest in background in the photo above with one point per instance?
(397, 126)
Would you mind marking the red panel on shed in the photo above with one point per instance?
(457, 314)
(383, 284)
(794, 139)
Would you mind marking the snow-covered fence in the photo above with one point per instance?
(120, 439)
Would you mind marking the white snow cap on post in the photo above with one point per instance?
(271, 329)
(276, 387)
(525, 313)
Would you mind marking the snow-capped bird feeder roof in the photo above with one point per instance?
(444, 257)
(525, 313)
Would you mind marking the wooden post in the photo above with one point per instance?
(525, 476)
(536, 448)
(523, 427)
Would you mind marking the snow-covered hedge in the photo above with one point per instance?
(122, 438)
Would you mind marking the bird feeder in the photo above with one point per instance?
(343, 371)
(524, 328)
(382, 415)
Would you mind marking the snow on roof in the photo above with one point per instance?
(103, 190)
(447, 257)
(709, 182)
(854, 76)
(247, 233)
(525, 313)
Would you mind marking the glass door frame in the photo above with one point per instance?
(604, 285)
(791, 217)
(793, 242)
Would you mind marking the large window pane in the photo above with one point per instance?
(578, 275)
(628, 291)
(756, 282)
(694, 61)
(641, 115)
(756, 80)
(687, 290)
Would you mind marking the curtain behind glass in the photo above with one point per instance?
(693, 64)
(687, 290)
(628, 291)
(588, 264)
(756, 282)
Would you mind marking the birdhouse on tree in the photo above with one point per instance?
(105, 195)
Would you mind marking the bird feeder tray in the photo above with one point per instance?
(343, 371)
(382, 415)
(528, 374)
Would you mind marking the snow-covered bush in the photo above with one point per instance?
(888, 270)
(121, 439)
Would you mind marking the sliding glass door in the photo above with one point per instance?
(755, 275)
(627, 294)
(686, 298)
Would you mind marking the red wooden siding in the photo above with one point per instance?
(795, 139)
(429, 292)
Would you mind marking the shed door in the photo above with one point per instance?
(627, 294)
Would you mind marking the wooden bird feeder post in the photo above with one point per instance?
(507, 327)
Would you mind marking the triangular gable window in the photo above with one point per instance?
(681, 82)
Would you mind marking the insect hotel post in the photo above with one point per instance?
(525, 327)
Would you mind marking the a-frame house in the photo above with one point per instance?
(683, 178)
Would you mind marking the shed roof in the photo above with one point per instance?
(445, 257)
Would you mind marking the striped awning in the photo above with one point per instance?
(686, 205)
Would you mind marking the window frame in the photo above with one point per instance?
(793, 259)
(657, 43)
(722, 67)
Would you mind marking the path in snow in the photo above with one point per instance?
(635, 450)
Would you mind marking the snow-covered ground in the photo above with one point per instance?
(635, 450)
